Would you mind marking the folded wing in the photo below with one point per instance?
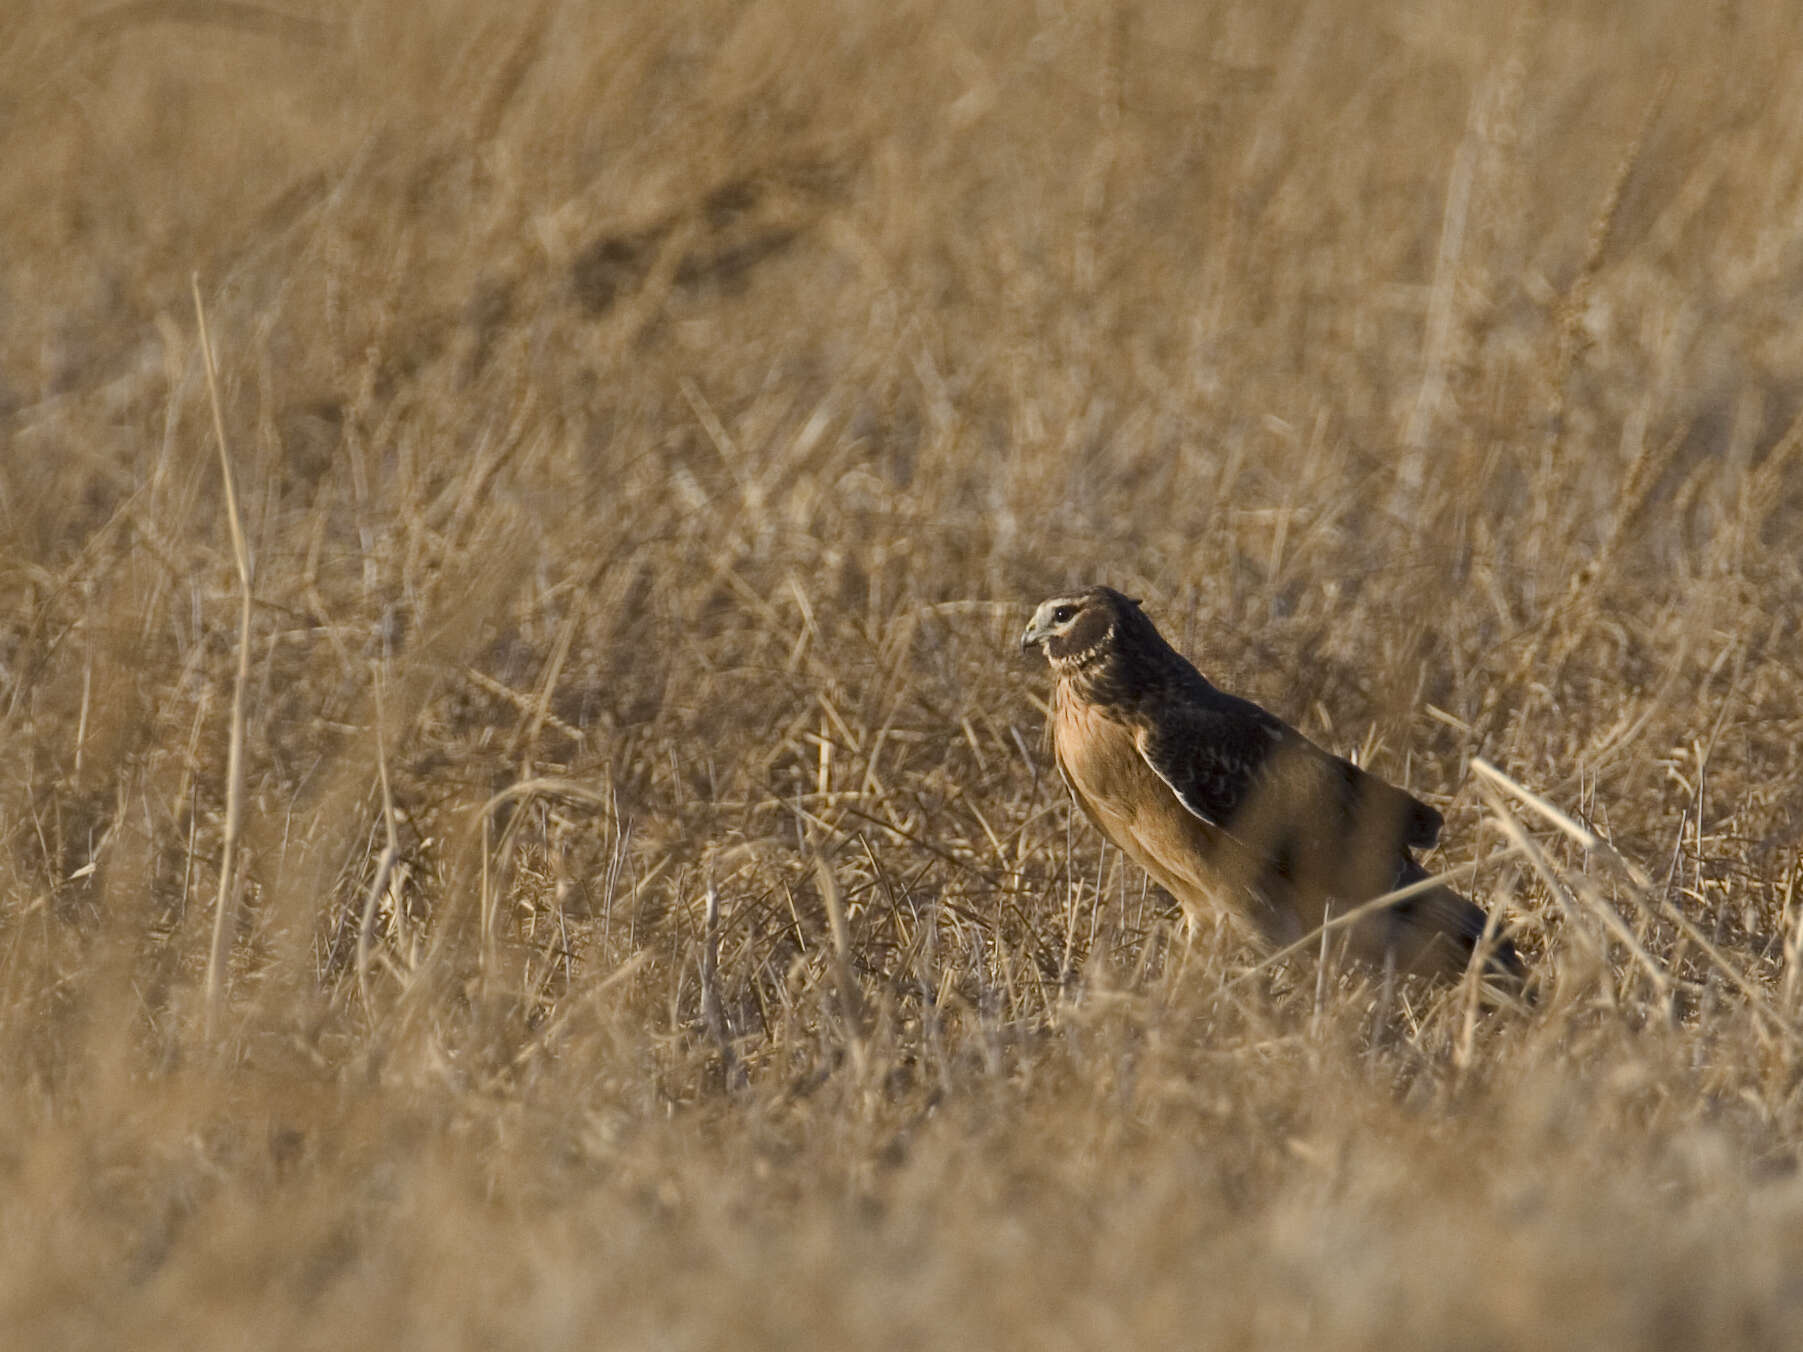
(1249, 774)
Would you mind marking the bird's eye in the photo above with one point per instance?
(1063, 614)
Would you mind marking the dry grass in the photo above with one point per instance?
(650, 429)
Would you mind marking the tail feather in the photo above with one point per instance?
(1437, 931)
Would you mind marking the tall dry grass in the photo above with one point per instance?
(655, 921)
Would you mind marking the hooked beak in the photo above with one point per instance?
(1033, 637)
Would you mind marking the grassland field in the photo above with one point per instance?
(610, 887)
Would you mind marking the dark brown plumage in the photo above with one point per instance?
(1229, 808)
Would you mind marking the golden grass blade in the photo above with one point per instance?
(1582, 834)
(391, 853)
(850, 1001)
(224, 904)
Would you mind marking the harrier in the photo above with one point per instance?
(1229, 808)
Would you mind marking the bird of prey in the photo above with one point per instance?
(1228, 808)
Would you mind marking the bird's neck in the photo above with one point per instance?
(1103, 678)
(1115, 677)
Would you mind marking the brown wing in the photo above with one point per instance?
(1234, 765)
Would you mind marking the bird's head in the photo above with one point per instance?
(1076, 628)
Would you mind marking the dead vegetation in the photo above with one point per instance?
(654, 919)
